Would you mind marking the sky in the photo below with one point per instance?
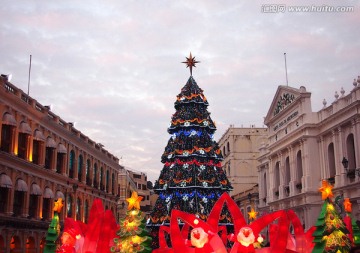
(114, 66)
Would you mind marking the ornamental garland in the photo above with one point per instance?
(187, 122)
(191, 132)
(182, 97)
(194, 161)
(188, 152)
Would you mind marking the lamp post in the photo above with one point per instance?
(345, 163)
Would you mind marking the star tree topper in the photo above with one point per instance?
(252, 214)
(134, 201)
(326, 190)
(190, 62)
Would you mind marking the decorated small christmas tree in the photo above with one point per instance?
(351, 225)
(192, 178)
(132, 236)
(331, 234)
(54, 229)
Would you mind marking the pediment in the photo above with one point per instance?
(284, 97)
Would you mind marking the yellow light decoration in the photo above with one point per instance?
(58, 205)
(347, 205)
(134, 201)
(252, 214)
(326, 190)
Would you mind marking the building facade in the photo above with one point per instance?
(140, 179)
(43, 158)
(240, 148)
(306, 147)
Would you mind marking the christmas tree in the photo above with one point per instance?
(331, 234)
(351, 225)
(192, 178)
(132, 236)
(54, 229)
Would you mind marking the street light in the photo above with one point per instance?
(345, 163)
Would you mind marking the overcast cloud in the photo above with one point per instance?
(113, 66)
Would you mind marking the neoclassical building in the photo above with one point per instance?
(43, 158)
(306, 147)
(131, 180)
(240, 148)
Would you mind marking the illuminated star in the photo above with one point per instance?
(190, 62)
(252, 214)
(347, 205)
(58, 205)
(134, 201)
(326, 190)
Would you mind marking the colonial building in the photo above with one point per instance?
(240, 148)
(130, 181)
(306, 147)
(43, 158)
(140, 179)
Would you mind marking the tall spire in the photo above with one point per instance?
(190, 62)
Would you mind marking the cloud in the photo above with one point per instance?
(114, 67)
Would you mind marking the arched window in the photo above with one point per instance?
(287, 171)
(87, 172)
(38, 146)
(228, 147)
(24, 140)
(5, 186)
(19, 197)
(101, 179)
(15, 244)
(50, 153)
(8, 133)
(35, 193)
(69, 201)
(30, 245)
(78, 209)
(113, 183)
(350, 150)
(107, 180)
(265, 187)
(95, 176)
(47, 204)
(287, 176)
(277, 178)
(80, 166)
(86, 211)
(299, 170)
(71, 164)
(60, 161)
(331, 160)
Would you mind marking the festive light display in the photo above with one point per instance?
(192, 178)
(132, 236)
(72, 239)
(331, 234)
(54, 228)
(77, 237)
(211, 236)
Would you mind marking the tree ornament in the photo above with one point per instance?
(134, 201)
